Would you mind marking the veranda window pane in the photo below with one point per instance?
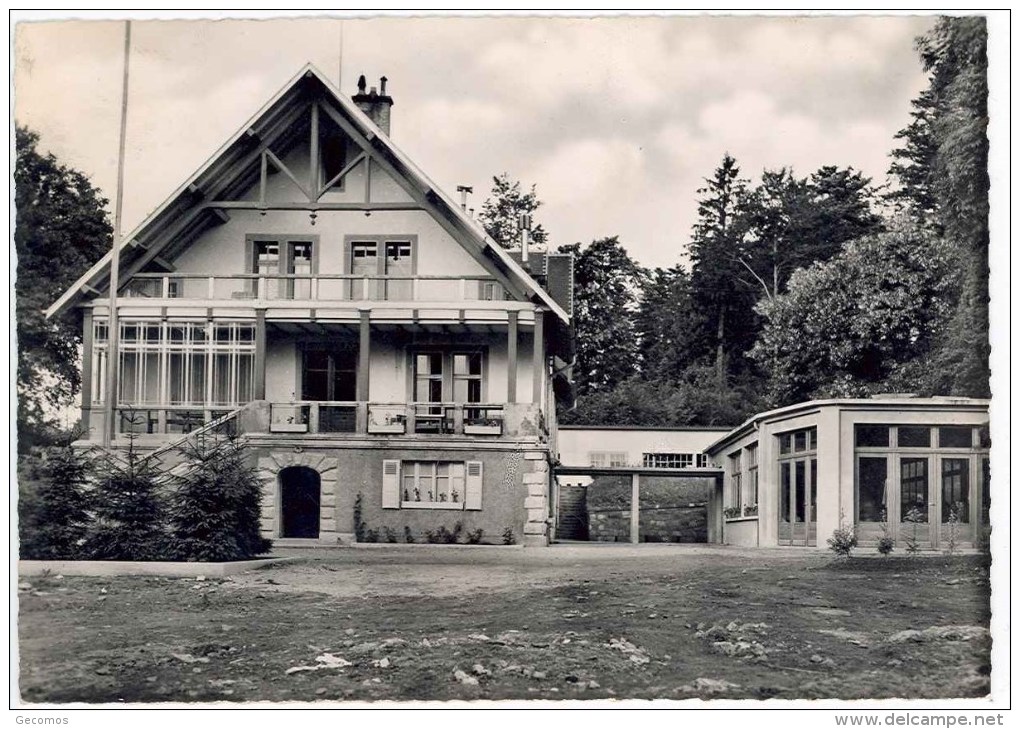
(871, 436)
(914, 437)
(150, 393)
(198, 378)
(800, 441)
(986, 490)
(784, 492)
(871, 489)
(956, 436)
(956, 489)
(785, 443)
(914, 490)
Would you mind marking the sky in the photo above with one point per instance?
(616, 120)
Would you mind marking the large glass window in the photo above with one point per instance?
(178, 363)
(871, 436)
(914, 437)
(956, 436)
(914, 490)
(432, 482)
(956, 489)
(872, 488)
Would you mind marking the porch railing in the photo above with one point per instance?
(325, 417)
(313, 287)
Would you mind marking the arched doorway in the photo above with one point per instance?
(300, 496)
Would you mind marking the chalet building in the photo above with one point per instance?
(915, 469)
(311, 287)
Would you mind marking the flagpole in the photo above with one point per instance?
(113, 359)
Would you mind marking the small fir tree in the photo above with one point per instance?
(127, 509)
(53, 522)
(215, 507)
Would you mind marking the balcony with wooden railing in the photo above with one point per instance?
(318, 287)
(340, 418)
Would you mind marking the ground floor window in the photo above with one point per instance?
(923, 483)
(432, 484)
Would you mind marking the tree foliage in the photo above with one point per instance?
(501, 213)
(61, 229)
(846, 327)
(606, 285)
(52, 507)
(127, 505)
(214, 508)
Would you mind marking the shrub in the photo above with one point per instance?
(408, 535)
(886, 542)
(953, 528)
(444, 535)
(128, 511)
(843, 539)
(53, 517)
(390, 535)
(359, 524)
(430, 537)
(371, 536)
(214, 510)
(912, 539)
(508, 536)
(475, 536)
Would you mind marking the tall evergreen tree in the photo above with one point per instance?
(942, 170)
(715, 250)
(60, 230)
(666, 323)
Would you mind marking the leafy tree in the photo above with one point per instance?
(606, 285)
(501, 213)
(61, 229)
(215, 508)
(128, 509)
(695, 398)
(847, 326)
(52, 508)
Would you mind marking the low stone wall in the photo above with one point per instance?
(686, 524)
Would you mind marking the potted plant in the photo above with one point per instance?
(389, 422)
(292, 424)
(483, 426)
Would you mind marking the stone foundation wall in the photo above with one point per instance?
(687, 524)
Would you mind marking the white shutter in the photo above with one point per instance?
(473, 486)
(391, 484)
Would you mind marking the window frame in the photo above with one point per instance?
(379, 291)
(286, 242)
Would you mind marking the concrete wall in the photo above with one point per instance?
(741, 532)
(576, 443)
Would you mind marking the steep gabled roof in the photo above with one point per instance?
(184, 209)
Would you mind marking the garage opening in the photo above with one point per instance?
(301, 496)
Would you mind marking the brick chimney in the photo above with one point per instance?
(376, 104)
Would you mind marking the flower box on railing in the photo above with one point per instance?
(483, 427)
(732, 512)
(392, 427)
(750, 510)
(288, 427)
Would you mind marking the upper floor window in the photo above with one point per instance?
(287, 264)
(667, 460)
(333, 156)
(388, 265)
(919, 436)
(611, 459)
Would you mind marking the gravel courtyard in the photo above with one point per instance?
(407, 623)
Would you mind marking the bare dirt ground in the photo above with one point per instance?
(419, 623)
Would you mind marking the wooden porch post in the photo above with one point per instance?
(511, 357)
(635, 508)
(260, 354)
(364, 342)
(538, 359)
(86, 369)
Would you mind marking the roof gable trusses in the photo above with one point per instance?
(241, 168)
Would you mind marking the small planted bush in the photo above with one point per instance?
(390, 535)
(843, 539)
(359, 523)
(475, 536)
(508, 536)
(408, 535)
